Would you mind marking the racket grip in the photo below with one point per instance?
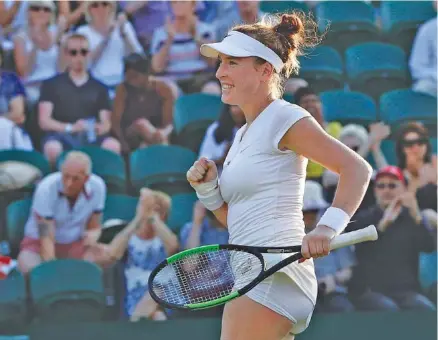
(348, 239)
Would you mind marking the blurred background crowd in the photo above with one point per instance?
(104, 105)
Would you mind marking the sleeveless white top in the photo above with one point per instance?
(264, 189)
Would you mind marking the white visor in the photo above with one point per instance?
(237, 44)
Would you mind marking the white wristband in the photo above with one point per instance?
(210, 195)
(336, 219)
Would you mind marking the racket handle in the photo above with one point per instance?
(348, 239)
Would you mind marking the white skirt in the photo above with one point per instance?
(280, 293)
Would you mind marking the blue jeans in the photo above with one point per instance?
(371, 301)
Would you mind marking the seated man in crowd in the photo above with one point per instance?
(65, 216)
(386, 276)
(74, 108)
(334, 270)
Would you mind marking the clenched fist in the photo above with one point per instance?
(202, 171)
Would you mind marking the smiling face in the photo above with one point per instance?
(241, 79)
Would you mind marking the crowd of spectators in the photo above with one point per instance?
(107, 73)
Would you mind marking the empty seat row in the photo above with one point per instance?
(59, 290)
(372, 68)
(352, 22)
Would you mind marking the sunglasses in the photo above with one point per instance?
(410, 143)
(83, 52)
(98, 4)
(40, 8)
(381, 186)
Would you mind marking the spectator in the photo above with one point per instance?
(293, 84)
(36, 47)
(357, 138)
(220, 135)
(76, 13)
(386, 276)
(146, 16)
(110, 39)
(334, 270)
(175, 49)
(152, 242)
(414, 157)
(12, 117)
(423, 59)
(247, 12)
(65, 215)
(12, 18)
(309, 100)
(74, 108)
(143, 106)
(204, 229)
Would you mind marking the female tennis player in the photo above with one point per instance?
(260, 192)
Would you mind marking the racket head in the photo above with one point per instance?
(204, 277)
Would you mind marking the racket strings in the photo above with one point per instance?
(204, 277)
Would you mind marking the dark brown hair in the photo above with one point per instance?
(402, 132)
(288, 35)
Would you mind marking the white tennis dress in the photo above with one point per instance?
(264, 189)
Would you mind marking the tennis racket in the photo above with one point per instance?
(212, 275)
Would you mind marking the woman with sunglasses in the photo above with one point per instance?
(111, 38)
(36, 47)
(414, 156)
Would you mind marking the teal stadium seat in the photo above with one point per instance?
(67, 290)
(107, 165)
(401, 19)
(17, 214)
(283, 6)
(12, 301)
(31, 157)
(375, 68)
(181, 211)
(193, 113)
(400, 106)
(289, 98)
(348, 107)
(161, 167)
(428, 269)
(347, 22)
(120, 207)
(322, 68)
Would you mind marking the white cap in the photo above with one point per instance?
(313, 198)
(237, 44)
